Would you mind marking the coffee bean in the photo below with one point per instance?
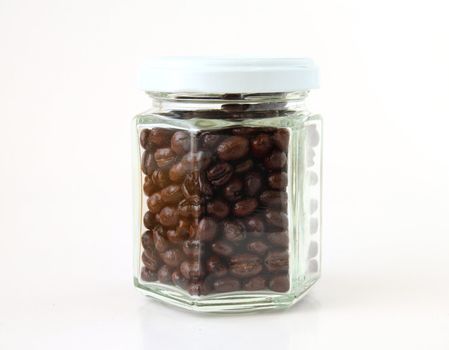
(160, 242)
(172, 194)
(234, 231)
(243, 166)
(180, 234)
(160, 178)
(164, 157)
(164, 274)
(252, 183)
(261, 145)
(245, 265)
(207, 228)
(144, 138)
(276, 261)
(147, 240)
(155, 203)
(276, 218)
(275, 160)
(278, 239)
(273, 199)
(257, 247)
(169, 216)
(193, 248)
(226, 284)
(220, 173)
(147, 275)
(255, 226)
(281, 139)
(172, 257)
(160, 136)
(280, 283)
(147, 164)
(196, 161)
(233, 147)
(179, 280)
(255, 283)
(245, 207)
(177, 172)
(180, 142)
(209, 141)
(218, 208)
(191, 270)
(278, 181)
(215, 267)
(233, 191)
(150, 260)
(222, 248)
(198, 288)
(149, 220)
(149, 187)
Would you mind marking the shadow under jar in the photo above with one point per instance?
(227, 185)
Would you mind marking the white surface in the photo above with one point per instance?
(67, 94)
(228, 75)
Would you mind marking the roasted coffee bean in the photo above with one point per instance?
(273, 199)
(192, 270)
(278, 181)
(148, 275)
(180, 234)
(160, 242)
(160, 178)
(245, 207)
(218, 208)
(147, 164)
(149, 187)
(169, 216)
(172, 257)
(233, 191)
(243, 166)
(205, 186)
(234, 231)
(261, 145)
(255, 226)
(233, 147)
(215, 267)
(278, 238)
(164, 157)
(276, 218)
(257, 247)
(220, 173)
(179, 280)
(196, 161)
(164, 274)
(172, 194)
(280, 283)
(150, 260)
(193, 248)
(177, 172)
(255, 283)
(226, 284)
(281, 139)
(198, 288)
(155, 203)
(275, 160)
(245, 265)
(207, 229)
(145, 138)
(209, 141)
(149, 220)
(276, 261)
(147, 240)
(222, 248)
(180, 142)
(252, 183)
(160, 136)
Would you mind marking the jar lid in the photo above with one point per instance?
(229, 75)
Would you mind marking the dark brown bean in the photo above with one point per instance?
(169, 216)
(150, 260)
(192, 270)
(218, 208)
(147, 240)
(245, 265)
(220, 173)
(222, 248)
(233, 147)
(207, 229)
(233, 191)
(276, 218)
(181, 233)
(196, 161)
(255, 283)
(155, 203)
(280, 283)
(234, 231)
(160, 242)
(179, 280)
(160, 136)
(144, 138)
(209, 141)
(273, 199)
(278, 181)
(261, 145)
(281, 139)
(164, 157)
(215, 267)
(278, 238)
(226, 284)
(243, 166)
(276, 261)
(180, 142)
(198, 288)
(148, 275)
(172, 194)
(252, 183)
(177, 172)
(149, 187)
(257, 247)
(149, 220)
(275, 160)
(245, 207)
(193, 248)
(147, 164)
(164, 274)
(172, 257)
(255, 226)
(160, 178)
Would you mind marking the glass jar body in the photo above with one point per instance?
(227, 208)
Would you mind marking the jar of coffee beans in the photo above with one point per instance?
(227, 167)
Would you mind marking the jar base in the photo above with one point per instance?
(235, 302)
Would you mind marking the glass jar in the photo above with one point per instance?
(227, 185)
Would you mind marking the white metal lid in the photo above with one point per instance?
(229, 75)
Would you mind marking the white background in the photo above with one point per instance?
(67, 95)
